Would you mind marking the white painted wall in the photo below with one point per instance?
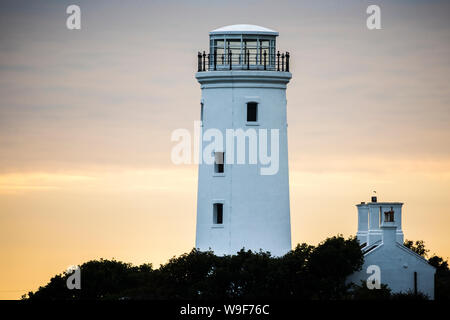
(397, 264)
(256, 207)
(369, 221)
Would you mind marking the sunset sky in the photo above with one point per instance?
(86, 118)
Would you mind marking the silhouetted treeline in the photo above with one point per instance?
(442, 277)
(307, 272)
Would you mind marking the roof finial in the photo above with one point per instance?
(374, 197)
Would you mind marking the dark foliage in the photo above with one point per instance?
(361, 292)
(442, 283)
(418, 247)
(307, 272)
(410, 295)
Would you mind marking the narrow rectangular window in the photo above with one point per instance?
(252, 112)
(201, 111)
(218, 162)
(218, 213)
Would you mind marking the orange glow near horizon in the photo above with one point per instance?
(56, 220)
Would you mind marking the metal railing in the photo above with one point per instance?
(243, 61)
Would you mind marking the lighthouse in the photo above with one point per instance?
(243, 191)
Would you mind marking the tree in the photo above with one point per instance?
(361, 292)
(409, 295)
(442, 277)
(418, 247)
(100, 279)
(442, 283)
(331, 263)
(292, 279)
(307, 272)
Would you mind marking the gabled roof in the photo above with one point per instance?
(379, 245)
(401, 246)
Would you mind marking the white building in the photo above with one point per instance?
(243, 80)
(381, 236)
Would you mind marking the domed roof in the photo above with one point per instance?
(244, 29)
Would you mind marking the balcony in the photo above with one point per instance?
(243, 61)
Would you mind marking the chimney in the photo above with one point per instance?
(363, 222)
(389, 231)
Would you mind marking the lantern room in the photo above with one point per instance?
(243, 47)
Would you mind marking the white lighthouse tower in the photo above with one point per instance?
(243, 204)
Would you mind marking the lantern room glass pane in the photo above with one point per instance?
(272, 53)
(265, 44)
(250, 47)
(219, 49)
(218, 43)
(234, 48)
(263, 49)
(247, 51)
(250, 43)
(234, 43)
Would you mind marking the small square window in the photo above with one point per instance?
(389, 216)
(219, 162)
(218, 213)
(252, 112)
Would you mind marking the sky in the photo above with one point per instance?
(86, 118)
